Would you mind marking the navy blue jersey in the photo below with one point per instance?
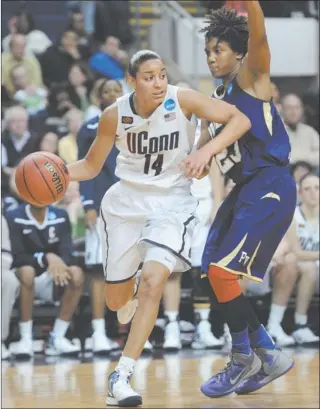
(31, 241)
(266, 144)
(92, 191)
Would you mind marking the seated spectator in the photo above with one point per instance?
(76, 24)
(32, 97)
(42, 245)
(110, 61)
(104, 93)
(112, 18)
(49, 143)
(67, 146)
(9, 287)
(79, 86)
(59, 104)
(296, 262)
(36, 40)
(276, 97)
(17, 55)
(298, 171)
(17, 142)
(57, 60)
(303, 138)
(71, 202)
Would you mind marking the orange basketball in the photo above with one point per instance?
(42, 178)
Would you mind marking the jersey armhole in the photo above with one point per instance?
(179, 107)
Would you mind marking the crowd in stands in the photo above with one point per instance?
(48, 91)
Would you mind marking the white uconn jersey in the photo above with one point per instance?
(308, 233)
(150, 150)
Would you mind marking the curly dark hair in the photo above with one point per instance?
(228, 26)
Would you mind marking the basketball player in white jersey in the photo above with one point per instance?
(149, 215)
(302, 242)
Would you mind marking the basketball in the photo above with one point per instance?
(42, 178)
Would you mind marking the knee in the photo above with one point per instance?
(152, 284)
(26, 276)
(290, 259)
(77, 276)
(309, 269)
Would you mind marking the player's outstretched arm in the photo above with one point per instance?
(90, 166)
(213, 110)
(258, 57)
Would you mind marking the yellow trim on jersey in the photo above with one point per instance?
(259, 280)
(202, 306)
(271, 195)
(228, 258)
(252, 259)
(267, 116)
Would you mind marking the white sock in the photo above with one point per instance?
(300, 319)
(126, 365)
(276, 314)
(172, 315)
(26, 329)
(203, 313)
(60, 328)
(98, 326)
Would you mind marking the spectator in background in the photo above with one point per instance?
(9, 287)
(67, 146)
(17, 142)
(79, 86)
(112, 18)
(276, 97)
(110, 61)
(32, 97)
(36, 40)
(17, 56)
(297, 257)
(104, 93)
(49, 143)
(298, 171)
(76, 24)
(304, 139)
(57, 60)
(59, 104)
(41, 245)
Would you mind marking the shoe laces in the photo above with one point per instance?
(222, 374)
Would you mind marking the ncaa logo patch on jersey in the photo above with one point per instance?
(126, 119)
(170, 105)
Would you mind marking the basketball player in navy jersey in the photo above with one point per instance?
(254, 217)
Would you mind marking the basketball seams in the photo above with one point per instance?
(57, 165)
(35, 163)
(27, 187)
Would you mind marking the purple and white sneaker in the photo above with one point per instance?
(240, 368)
(275, 363)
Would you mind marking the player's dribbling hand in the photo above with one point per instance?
(91, 218)
(195, 164)
(59, 270)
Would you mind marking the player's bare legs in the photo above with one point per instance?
(26, 276)
(118, 295)
(171, 304)
(72, 294)
(285, 276)
(305, 290)
(153, 278)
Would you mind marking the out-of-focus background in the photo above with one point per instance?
(54, 55)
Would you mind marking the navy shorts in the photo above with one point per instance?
(250, 224)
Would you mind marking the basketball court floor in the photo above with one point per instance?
(165, 381)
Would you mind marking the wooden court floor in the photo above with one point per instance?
(169, 382)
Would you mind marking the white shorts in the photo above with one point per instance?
(93, 251)
(201, 230)
(43, 287)
(141, 225)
